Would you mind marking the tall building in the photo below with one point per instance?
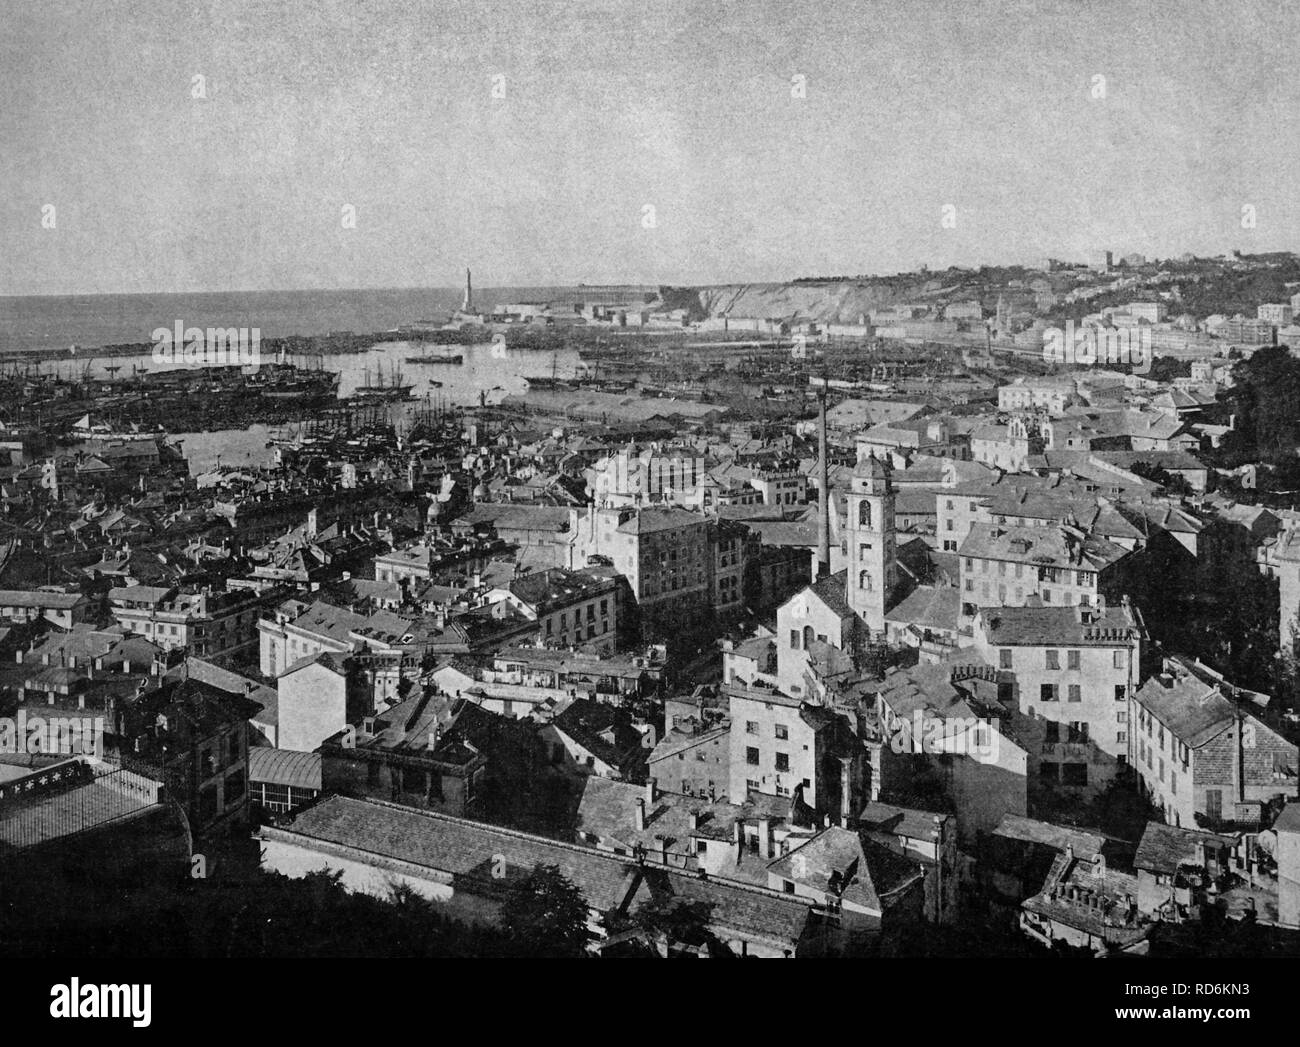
(872, 558)
(467, 306)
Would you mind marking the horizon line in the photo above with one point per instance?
(458, 288)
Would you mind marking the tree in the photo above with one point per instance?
(546, 915)
(1173, 482)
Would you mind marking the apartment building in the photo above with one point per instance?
(1006, 566)
(205, 621)
(59, 608)
(1202, 757)
(571, 608)
(381, 645)
(1069, 672)
(1050, 393)
(782, 746)
(666, 554)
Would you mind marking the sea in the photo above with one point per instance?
(93, 321)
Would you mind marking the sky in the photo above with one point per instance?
(528, 140)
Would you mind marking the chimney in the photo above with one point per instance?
(640, 815)
(823, 496)
(764, 839)
(846, 791)
(695, 820)
(650, 792)
(18, 656)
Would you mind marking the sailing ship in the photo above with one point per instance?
(393, 389)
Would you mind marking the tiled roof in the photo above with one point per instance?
(848, 864)
(1051, 546)
(648, 521)
(832, 591)
(1165, 847)
(1086, 845)
(1190, 709)
(466, 850)
(1047, 625)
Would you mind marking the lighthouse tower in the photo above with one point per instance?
(873, 569)
(467, 306)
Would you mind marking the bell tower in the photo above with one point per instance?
(873, 570)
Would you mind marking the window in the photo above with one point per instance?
(807, 636)
(751, 727)
(794, 639)
(1004, 658)
(1048, 693)
(1053, 732)
(1073, 694)
(234, 788)
(1118, 660)
(864, 514)
(1072, 659)
(864, 580)
(1074, 774)
(1078, 733)
(1121, 692)
(1121, 716)
(782, 731)
(751, 757)
(1121, 736)
(782, 762)
(1081, 578)
(1049, 771)
(751, 785)
(1053, 659)
(970, 586)
(787, 886)
(1006, 693)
